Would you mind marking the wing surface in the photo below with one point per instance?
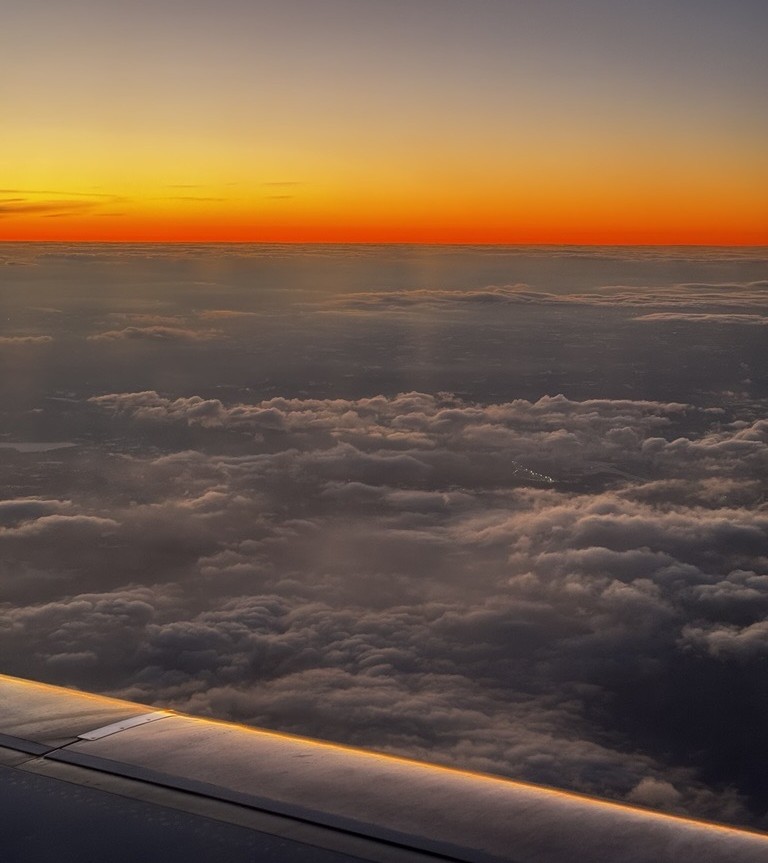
(84, 777)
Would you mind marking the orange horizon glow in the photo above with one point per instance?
(435, 125)
(422, 212)
(349, 236)
(446, 228)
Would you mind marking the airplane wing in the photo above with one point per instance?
(86, 778)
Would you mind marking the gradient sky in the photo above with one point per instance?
(510, 121)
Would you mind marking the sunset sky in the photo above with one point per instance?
(490, 121)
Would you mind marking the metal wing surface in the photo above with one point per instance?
(88, 778)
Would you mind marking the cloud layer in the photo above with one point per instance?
(155, 333)
(334, 491)
(506, 587)
(688, 296)
(25, 340)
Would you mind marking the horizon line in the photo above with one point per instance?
(385, 243)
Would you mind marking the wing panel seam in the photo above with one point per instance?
(122, 725)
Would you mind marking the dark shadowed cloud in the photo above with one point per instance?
(17, 207)
(67, 194)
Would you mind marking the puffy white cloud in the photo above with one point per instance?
(732, 641)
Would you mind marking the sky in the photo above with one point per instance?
(427, 121)
(501, 509)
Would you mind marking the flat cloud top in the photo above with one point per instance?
(680, 296)
(688, 317)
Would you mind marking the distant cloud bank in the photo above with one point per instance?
(25, 340)
(155, 333)
(687, 296)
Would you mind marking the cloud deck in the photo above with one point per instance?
(568, 587)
